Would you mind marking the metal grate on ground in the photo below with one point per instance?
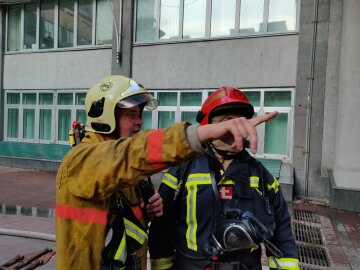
(313, 254)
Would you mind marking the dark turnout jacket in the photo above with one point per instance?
(189, 220)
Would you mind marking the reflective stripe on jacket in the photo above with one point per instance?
(196, 204)
(90, 174)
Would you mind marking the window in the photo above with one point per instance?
(274, 136)
(43, 116)
(189, 19)
(31, 26)
(14, 28)
(47, 22)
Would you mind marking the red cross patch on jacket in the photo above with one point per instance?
(226, 192)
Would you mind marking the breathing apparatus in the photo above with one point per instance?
(238, 230)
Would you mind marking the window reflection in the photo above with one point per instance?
(222, 17)
(14, 28)
(169, 19)
(46, 31)
(282, 15)
(30, 26)
(85, 18)
(66, 23)
(103, 22)
(145, 20)
(194, 18)
(251, 16)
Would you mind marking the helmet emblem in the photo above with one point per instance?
(106, 86)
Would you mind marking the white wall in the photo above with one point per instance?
(56, 70)
(249, 62)
(347, 147)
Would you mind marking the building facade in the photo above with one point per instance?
(296, 57)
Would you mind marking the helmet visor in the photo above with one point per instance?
(150, 102)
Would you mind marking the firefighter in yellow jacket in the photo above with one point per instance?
(98, 222)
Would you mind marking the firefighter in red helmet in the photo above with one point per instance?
(219, 208)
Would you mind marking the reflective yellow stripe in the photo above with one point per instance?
(284, 263)
(198, 179)
(134, 231)
(163, 263)
(275, 185)
(170, 180)
(254, 181)
(191, 217)
(120, 254)
(225, 181)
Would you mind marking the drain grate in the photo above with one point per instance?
(313, 256)
(308, 234)
(304, 215)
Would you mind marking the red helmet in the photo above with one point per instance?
(225, 100)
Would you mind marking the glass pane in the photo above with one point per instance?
(30, 26)
(80, 98)
(45, 124)
(254, 98)
(64, 124)
(251, 16)
(190, 99)
(14, 28)
(146, 120)
(167, 99)
(46, 31)
(29, 98)
(66, 23)
(28, 123)
(189, 117)
(194, 18)
(65, 99)
(85, 18)
(222, 17)
(104, 22)
(13, 123)
(276, 135)
(13, 98)
(277, 99)
(46, 98)
(81, 116)
(146, 20)
(169, 19)
(166, 119)
(282, 15)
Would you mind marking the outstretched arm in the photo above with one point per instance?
(235, 131)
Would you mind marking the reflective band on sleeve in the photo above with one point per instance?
(155, 152)
(284, 263)
(161, 264)
(254, 181)
(88, 215)
(134, 231)
(121, 252)
(170, 181)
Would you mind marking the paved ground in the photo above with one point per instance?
(27, 200)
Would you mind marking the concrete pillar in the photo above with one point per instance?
(347, 147)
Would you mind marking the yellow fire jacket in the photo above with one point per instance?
(90, 174)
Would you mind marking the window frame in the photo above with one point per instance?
(54, 114)
(260, 110)
(56, 30)
(208, 24)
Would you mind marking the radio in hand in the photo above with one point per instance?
(147, 190)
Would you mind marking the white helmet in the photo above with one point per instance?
(112, 91)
